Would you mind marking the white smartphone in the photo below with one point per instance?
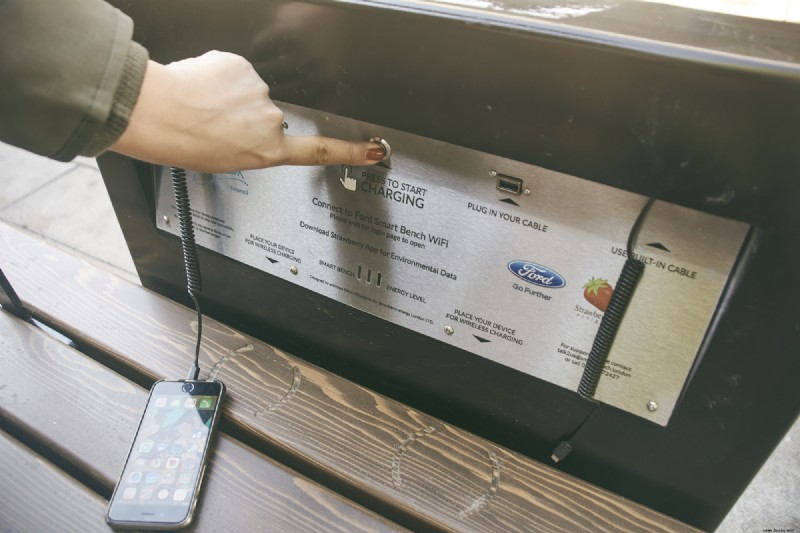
(160, 482)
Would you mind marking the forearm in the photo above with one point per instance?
(60, 66)
(74, 83)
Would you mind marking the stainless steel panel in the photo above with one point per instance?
(429, 244)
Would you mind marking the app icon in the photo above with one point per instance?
(175, 403)
(197, 435)
(193, 448)
(190, 402)
(185, 479)
(172, 463)
(146, 494)
(155, 462)
(146, 446)
(129, 493)
(151, 478)
(176, 448)
(161, 402)
(140, 462)
(205, 403)
(189, 463)
(149, 428)
(163, 494)
(135, 477)
(162, 445)
(168, 478)
(180, 495)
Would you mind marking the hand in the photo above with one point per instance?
(213, 114)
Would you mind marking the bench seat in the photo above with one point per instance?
(412, 469)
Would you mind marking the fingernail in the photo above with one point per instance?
(374, 154)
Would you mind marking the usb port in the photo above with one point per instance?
(509, 184)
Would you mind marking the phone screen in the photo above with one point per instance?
(161, 477)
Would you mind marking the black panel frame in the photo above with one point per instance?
(700, 127)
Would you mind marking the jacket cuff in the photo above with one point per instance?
(124, 100)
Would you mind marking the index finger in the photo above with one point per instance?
(327, 151)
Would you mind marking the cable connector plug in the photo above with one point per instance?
(194, 373)
(561, 452)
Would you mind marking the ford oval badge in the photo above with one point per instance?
(536, 274)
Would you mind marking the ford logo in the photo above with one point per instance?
(536, 274)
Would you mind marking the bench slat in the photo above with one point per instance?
(87, 415)
(426, 469)
(37, 496)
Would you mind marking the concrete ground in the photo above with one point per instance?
(66, 204)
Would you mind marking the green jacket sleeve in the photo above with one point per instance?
(69, 75)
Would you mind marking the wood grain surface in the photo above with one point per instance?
(87, 415)
(37, 496)
(426, 469)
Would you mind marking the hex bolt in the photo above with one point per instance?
(652, 406)
(493, 173)
(294, 270)
(449, 330)
(527, 191)
(165, 218)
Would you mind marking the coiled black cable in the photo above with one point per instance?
(194, 282)
(609, 325)
(612, 318)
(193, 279)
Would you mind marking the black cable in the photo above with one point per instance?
(637, 226)
(564, 448)
(612, 318)
(193, 281)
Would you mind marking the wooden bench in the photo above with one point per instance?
(301, 449)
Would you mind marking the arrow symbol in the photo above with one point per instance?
(658, 245)
(271, 260)
(481, 339)
(509, 201)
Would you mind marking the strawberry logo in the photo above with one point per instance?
(598, 293)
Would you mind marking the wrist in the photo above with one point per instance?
(123, 101)
(150, 116)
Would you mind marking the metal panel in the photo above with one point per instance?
(431, 243)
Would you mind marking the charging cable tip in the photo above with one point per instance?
(194, 373)
(562, 451)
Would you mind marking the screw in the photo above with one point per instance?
(165, 218)
(652, 406)
(527, 191)
(493, 173)
(449, 330)
(294, 270)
